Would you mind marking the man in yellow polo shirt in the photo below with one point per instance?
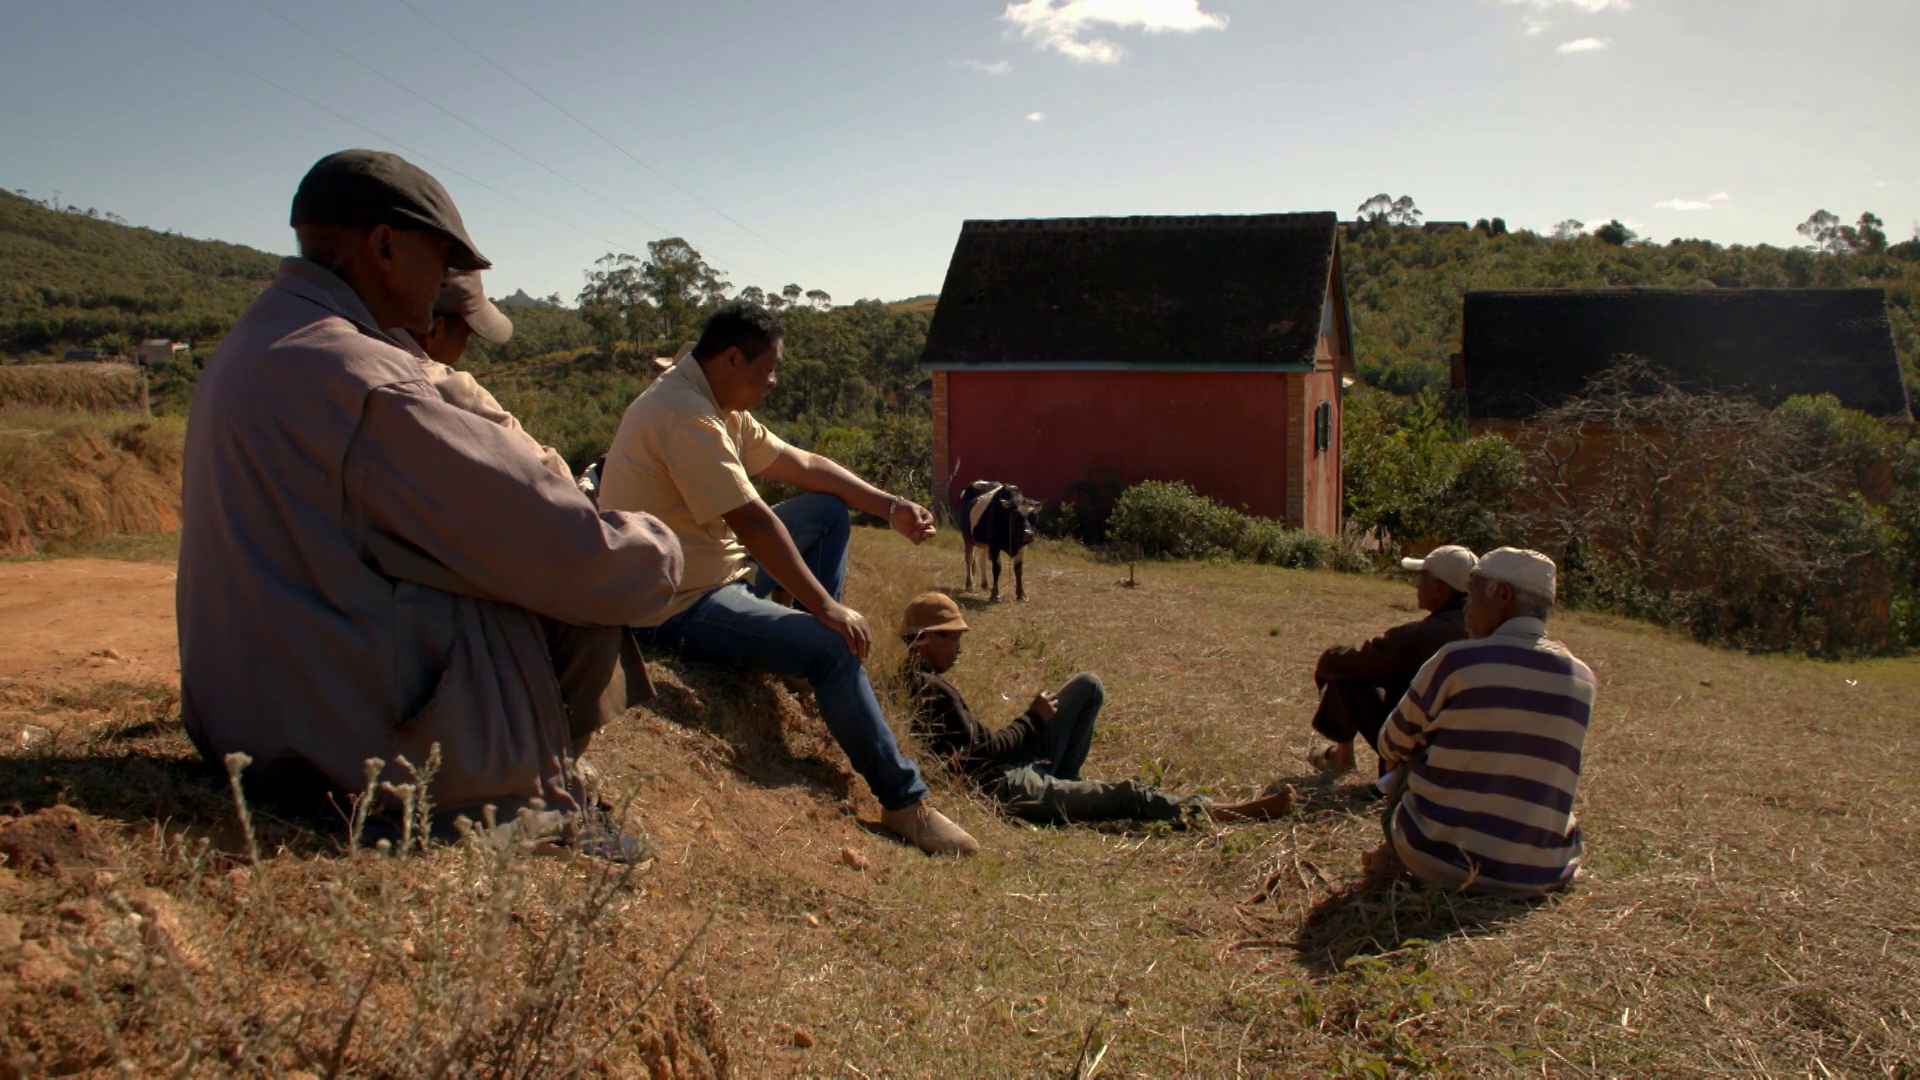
(687, 451)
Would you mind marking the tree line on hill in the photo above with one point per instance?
(71, 277)
(848, 385)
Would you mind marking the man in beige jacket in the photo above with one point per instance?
(368, 570)
(461, 313)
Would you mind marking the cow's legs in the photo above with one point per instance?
(966, 547)
(994, 554)
(1019, 575)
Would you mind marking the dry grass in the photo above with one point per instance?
(1752, 827)
(75, 387)
(70, 480)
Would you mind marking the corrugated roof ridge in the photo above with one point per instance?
(1676, 290)
(1323, 218)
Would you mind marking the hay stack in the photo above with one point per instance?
(77, 387)
(78, 484)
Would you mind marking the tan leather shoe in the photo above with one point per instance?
(929, 830)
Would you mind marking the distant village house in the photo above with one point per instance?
(1525, 352)
(1208, 350)
(155, 351)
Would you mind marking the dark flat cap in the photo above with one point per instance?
(364, 188)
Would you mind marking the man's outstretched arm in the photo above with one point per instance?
(813, 472)
(767, 540)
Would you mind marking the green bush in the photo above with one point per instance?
(1414, 478)
(1161, 520)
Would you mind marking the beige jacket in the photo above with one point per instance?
(464, 391)
(365, 566)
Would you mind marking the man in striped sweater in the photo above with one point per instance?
(1489, 738)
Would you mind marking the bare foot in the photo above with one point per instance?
(1266, 808)
(1332, 759)
(1382, 861)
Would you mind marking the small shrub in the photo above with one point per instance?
(1264, 540)
(1162, 520)
(1060, 521)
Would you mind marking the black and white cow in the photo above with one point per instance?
(998, 518)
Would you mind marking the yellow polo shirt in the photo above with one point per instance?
(678, 457)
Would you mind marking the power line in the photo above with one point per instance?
(351, 122)
(457, 118)
(630, 155)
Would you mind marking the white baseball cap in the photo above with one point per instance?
(1527, 571)
(1451, 563)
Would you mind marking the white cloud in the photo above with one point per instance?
(1718, 198)
(1879, 183)
(1588, 6)
(998, 67)
(1036, 117)
(1537, 20)
(1070, 27)
(1585, 44)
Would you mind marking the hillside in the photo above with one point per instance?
(67, 278)
(1751, 828)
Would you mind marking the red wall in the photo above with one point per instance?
(1226, 433)
(1322, 469)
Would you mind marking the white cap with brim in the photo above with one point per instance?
(461, 294)
(1451, 563)
(1527, 571)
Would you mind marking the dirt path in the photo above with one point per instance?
(78, 621)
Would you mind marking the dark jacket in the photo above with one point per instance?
(941, 718)
(1392, 659)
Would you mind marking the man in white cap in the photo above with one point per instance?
(1359, 684)
(1491, 736)
(461, 313)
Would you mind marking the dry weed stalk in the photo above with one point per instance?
(399, 960)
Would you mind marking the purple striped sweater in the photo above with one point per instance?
(1502, 721)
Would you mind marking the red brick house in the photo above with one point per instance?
(1203, 349)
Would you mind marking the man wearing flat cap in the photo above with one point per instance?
(1360, 684)
(367, 570)
(1491, 736)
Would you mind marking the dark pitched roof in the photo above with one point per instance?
(1163, 292)
(1528, 351)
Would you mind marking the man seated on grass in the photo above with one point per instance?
(1033, 764)
(686, 451)
(1360, 684)
(461, 313)
(368, 570)
(1491, 735)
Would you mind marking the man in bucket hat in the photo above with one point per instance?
(1033, 764)
(368, 571)
(1360, 684)
(1490, 739)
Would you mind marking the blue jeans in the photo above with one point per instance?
(735, 624)
(1067, 739)
(1048, 787)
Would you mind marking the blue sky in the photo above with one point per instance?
(839, 144)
